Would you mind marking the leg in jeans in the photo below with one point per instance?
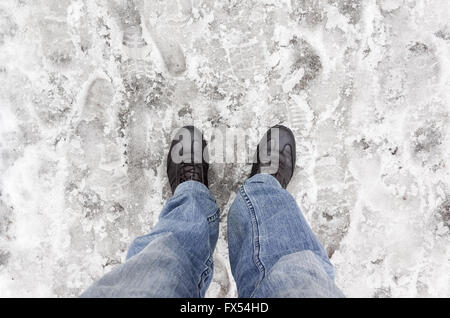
(273, 252)
(175, 259)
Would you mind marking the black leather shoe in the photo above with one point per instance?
(277, 145)
(186, 161)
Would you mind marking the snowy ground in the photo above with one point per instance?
(91, 91)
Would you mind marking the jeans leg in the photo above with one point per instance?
(273, 251)
(175, 259)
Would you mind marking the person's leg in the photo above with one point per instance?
(175, 259)
(273, 251)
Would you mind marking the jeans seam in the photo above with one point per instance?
(204, 275)
(214, 217)
(255, 232)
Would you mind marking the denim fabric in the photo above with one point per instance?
(273, 252)
(175, 259)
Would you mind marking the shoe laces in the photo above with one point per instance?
(189, 171)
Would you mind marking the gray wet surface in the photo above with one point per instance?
(91, 92)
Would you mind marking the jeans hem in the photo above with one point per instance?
(264, 178)
(190, 186)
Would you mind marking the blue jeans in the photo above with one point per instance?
(273, 252)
